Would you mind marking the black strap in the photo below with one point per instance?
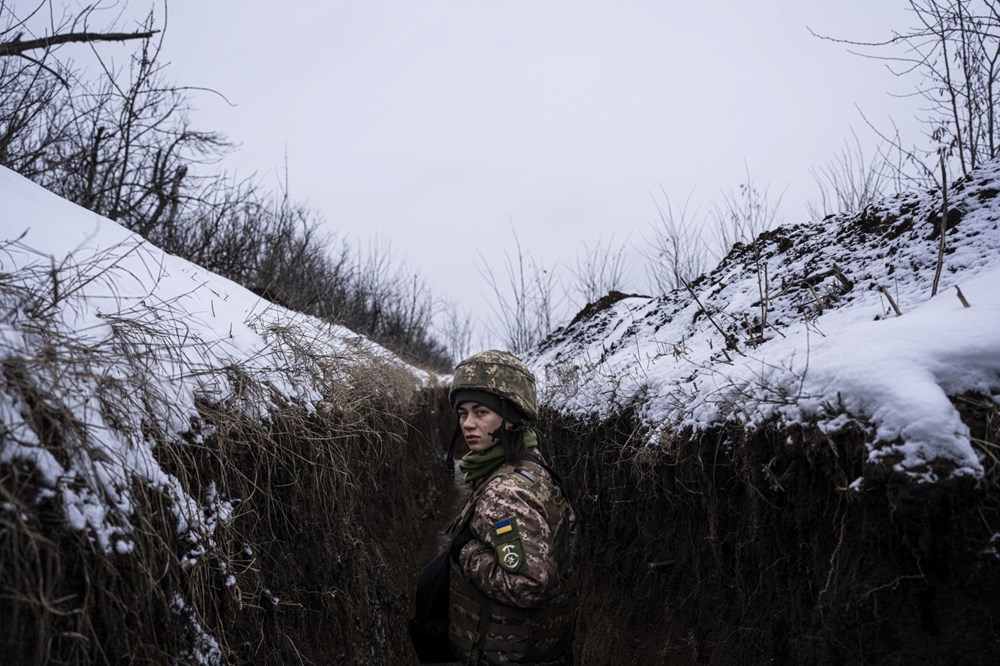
(449, 461)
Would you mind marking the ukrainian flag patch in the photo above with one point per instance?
(507, 544)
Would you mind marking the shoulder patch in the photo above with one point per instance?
(526, 474)
(504, 526)
(507, 545)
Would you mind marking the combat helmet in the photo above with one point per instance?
(498, 373)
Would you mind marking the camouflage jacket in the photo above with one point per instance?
(516, 571)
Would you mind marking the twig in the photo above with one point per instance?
(656, 567)
(891, 302)
(819, 303)
(961, 297)
(730, 341)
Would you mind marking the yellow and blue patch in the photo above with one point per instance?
(507, 544)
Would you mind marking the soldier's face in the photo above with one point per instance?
(477, 423)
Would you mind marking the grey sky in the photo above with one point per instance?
(438, 123)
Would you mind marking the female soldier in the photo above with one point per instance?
(513, 543)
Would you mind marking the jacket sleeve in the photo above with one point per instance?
(537, 579)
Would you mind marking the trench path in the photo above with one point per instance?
(454, 499)
(446, 510)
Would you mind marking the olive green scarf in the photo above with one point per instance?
(476, 466)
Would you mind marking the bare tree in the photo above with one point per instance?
(954, 49)
(120, 146)
(32, 105)
(123, 147)
(525, 299)
(942, 228)
(598, 270)
(135, 148)
(456, 331)
(35, 87)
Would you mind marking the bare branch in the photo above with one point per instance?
(943, 229)
(17, 46)
(953, 51)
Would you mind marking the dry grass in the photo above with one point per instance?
(739, 547)
(260, 517)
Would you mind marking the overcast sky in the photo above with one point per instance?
(438, 124)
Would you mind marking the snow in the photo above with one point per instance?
(854, 361)
(204, 648)
(101, 327)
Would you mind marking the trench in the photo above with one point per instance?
(737, 547)
(454, 495)
(729, 547)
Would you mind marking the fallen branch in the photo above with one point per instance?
(810, 281)
(848, 285)
(891, 302)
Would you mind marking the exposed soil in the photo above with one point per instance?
(737, 548)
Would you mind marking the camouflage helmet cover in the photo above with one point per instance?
(500, 373)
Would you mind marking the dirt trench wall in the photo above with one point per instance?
(313, 567)
(737, 548)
